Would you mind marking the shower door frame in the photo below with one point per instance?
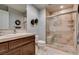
(75, 29)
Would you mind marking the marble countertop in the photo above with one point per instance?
(9, 37)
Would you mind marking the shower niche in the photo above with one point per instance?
(60, 28)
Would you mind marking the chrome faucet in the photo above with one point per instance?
(14, 31)
(0, 33)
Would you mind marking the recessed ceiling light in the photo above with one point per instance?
(61, 6)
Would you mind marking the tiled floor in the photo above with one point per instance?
(46, 50)
(62, 47)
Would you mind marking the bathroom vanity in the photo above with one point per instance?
(17, 44)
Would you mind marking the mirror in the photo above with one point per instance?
(12, 16)
(4, 17)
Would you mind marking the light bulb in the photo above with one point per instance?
(61, 7)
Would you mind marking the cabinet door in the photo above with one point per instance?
(28, 49)
(16, 51)
(15, 43)
(3, 47)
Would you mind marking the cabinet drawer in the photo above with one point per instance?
(16, 51)
(21, 41)
(15, 43)
(3, 47)
(28, 39)
(28, 49)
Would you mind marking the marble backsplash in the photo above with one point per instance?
(6, 31)
(11, 31)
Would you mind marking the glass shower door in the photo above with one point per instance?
(60, 32)
(51, 28)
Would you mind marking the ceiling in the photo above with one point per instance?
(19, 7)
(50, 7)
(40, 6)
(56, 7)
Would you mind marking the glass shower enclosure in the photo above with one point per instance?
(60, 31)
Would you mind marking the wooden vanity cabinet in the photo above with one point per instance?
(28, 49)
(21, 46)
(3, 48)
(16, 51)
(15, 43)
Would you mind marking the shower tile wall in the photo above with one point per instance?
(61, 28)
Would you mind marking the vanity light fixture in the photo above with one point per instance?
(61, 6)
(32, 21)
(36, 21)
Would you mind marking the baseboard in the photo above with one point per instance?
(41, 41)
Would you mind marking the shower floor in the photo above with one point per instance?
(62, 47)
(53, 49)
(46, 50)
